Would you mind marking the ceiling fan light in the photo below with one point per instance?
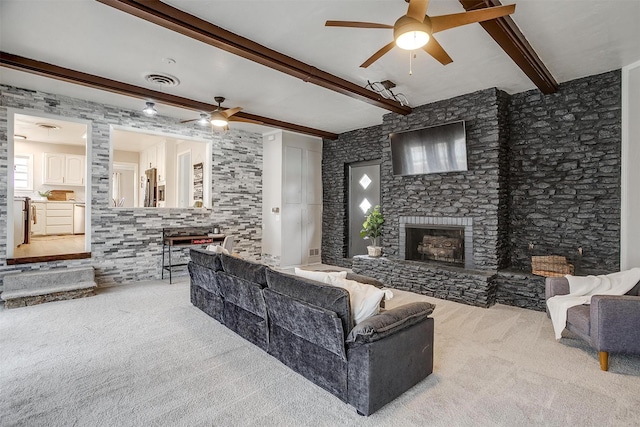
(412, 40)
(219, 120)
(411, 34)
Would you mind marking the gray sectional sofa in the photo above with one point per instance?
(308, 326)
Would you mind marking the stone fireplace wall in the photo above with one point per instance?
(565, 174)
(479, 193)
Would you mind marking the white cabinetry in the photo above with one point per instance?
(39, 222)
(59, 218)
(161, 161)
(64, 169)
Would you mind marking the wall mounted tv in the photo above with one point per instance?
(434, 149)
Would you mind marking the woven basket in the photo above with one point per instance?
(551, 266)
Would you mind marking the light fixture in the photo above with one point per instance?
(150, 110)
(218, 119)
(204, 119)
(411, 34)
(16, 136)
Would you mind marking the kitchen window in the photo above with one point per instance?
(23, 172)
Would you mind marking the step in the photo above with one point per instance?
(35, 287)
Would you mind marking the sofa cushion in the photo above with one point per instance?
(364, 300)
(579, 317)
(315, 293)
(390, 322)
(320, 276)
(314, 324)
(206, 259)
(242, 293)
(247, 270)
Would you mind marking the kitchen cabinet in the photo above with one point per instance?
(160, 161)
(39, 222)
(64, 169)
(59, 218)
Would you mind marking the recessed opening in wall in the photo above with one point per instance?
(48, 215)
(435, 243)
(159, 170)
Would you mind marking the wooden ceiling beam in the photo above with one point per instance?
(96, 82)
(507, 34)
(191, 26)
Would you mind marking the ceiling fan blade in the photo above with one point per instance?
(444, 22)
(417, 9)
(243, 120)
(187, 121)
(354, 24)
(230, 111)
(378, 55)
(434, 49)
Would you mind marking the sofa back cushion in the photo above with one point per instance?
(242, 293)
(314, 293)
(206, 259)
(243, 269)
(311, 323)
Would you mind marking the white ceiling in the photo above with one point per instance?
(574, 38)
(38, 129)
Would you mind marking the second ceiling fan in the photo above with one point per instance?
(220, 117)
(415, 29)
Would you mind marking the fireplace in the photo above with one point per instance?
(437, 239)
(434, 243)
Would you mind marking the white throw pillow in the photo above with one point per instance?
(320, 276)
(364, 299)
(217, 249)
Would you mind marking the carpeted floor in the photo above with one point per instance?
(142, 355)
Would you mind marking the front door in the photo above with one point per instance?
(364, 194)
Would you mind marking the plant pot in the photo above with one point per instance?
(374, 251)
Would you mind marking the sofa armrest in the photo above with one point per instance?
(555, 286)
(615, 323)
(389, 322)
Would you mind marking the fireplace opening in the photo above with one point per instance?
(435, 243)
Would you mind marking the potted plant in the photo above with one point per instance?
(45, 194)
(372, 229)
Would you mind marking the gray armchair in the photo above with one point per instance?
(611, 324)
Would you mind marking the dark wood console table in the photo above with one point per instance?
(180, 238)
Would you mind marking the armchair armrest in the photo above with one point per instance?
(555, 286)
(615, 323)
(389, 322)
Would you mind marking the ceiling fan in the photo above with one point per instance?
(415, 29)
(220, 117)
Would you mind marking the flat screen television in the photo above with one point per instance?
(435, 149)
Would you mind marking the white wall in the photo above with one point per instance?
(630, 208)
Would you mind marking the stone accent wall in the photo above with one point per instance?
(565, 173)
(126, 243)
(520, 289)
(478, 193)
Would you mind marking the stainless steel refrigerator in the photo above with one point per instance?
(151, 188)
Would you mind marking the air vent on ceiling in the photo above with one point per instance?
(162, 79)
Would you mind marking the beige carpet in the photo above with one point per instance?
(142, 355)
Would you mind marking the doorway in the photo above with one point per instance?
(364, 195)
(47, 188)
(124, 188)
